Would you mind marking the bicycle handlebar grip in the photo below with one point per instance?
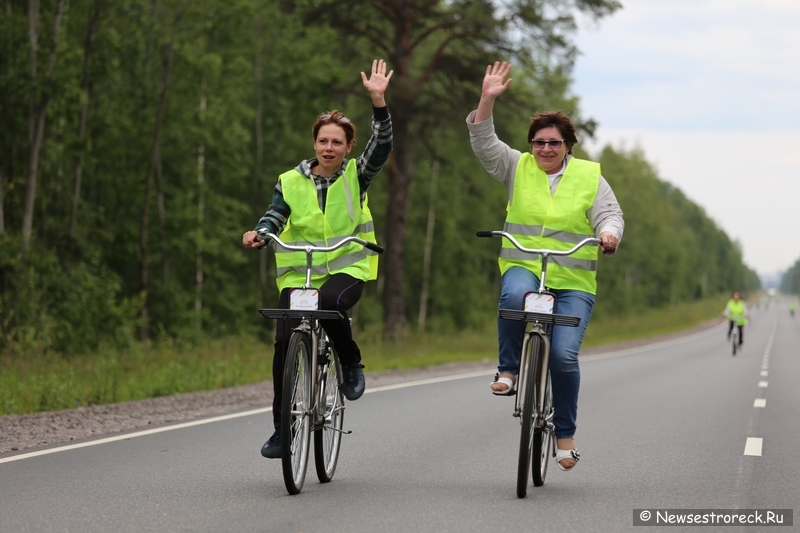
(375, 247)
(484, 233)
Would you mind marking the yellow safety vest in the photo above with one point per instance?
(736, 312)
(538, 219)
(344, 216)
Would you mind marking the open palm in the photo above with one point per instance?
(378, 80)
(494, 82)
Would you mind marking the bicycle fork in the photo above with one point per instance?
(542, 358)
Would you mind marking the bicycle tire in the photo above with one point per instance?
(328, 438)
(295, 412)
(735, 338)
(543, 438)
(528, 411)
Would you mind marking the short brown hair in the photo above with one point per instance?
(554, 119)
(338, 118)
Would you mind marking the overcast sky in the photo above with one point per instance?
(710, 91)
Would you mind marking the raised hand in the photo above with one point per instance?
(377, 82)
(494, 82)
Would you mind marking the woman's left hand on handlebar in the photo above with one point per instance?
(608, 241)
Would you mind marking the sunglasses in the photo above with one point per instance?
(554, 143)
(342, 120)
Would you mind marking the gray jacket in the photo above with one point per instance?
(500, 160)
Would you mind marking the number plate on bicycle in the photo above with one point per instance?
(540, 303)
(304, 299)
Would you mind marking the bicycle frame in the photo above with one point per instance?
(315, 410)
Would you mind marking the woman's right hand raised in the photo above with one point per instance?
(494, 82)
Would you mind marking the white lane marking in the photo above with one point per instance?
(753, 446)
(764, 373)
(760, 402)
(127, 436)
(222, 418)
(763, 384)
(429, 381)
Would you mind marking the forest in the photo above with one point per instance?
(141, 138)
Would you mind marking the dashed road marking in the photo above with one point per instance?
(753, 446)
(763, 384)
(760, 402)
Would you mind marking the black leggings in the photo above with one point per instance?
(741, 331)
(341, 292)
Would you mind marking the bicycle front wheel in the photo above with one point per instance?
(735, 338)
(527, 414)
(295, 412)
(328, 438)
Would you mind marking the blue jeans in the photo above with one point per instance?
(565, 343)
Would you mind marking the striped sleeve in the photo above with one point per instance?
(274, 220)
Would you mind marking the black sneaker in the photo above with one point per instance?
(272, 448)
(353, 383)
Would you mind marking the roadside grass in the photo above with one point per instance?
(48, 382)
(653, 323)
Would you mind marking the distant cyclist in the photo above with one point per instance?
(736, 312)
(792, 308)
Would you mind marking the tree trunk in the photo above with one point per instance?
(94, 22)
(7, 165)
(162, 220)
(144, 328)
(426, 259)
(259, 162)
(201, 186)
(37, 110)
(401, 170)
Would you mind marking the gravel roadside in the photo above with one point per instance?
(23, 432)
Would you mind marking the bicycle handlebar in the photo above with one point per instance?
(499, 233)
(264, 235)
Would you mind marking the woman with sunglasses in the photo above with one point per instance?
(553, 198)
(328, 191)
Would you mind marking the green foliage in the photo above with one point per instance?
(47, 382)
(790, 281)
(671, 251)
(159, 230)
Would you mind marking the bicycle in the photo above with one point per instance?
(533, 404)
(311, 400)
(735, 336)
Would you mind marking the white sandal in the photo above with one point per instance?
(508, 382)
(567, 454)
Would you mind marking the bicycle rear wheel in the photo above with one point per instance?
(295, 412)
(543, 436)
(528, 412)
(328, 438)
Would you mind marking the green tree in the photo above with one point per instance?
(446, 42)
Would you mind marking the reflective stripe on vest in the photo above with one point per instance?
(538, 219)
(344, 217)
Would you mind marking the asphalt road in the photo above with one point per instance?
(660, 427)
